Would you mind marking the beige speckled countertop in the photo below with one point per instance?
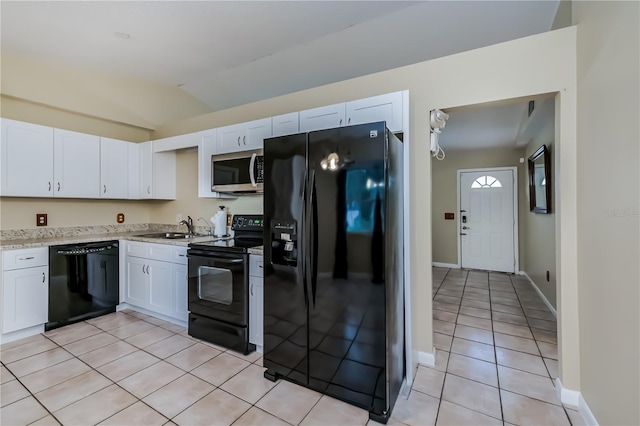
(20, 239)
(130, 236)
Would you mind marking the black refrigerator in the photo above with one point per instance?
(333, 264)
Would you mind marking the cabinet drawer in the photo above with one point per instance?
(161, 252)
(25, 258)
(180, 255)
(255, 265)
(137, 249)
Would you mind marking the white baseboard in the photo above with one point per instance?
(124, 305)
(573, 399)
(587, 415)
(542, 296)
(427, 359)
(445, 265)
(21, 334)
(568, 397)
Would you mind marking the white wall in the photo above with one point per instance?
(608, 78)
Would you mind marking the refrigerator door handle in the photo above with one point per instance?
(302, 242)
(312, 224)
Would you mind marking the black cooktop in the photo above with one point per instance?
(248, 234)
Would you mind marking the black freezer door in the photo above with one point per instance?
(346, 187)
(285, 311)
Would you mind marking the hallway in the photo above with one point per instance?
(496, 355)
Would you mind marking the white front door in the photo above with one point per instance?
(487, 220)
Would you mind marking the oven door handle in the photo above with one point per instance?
(211, 255)
(216, 258)
(229, 260)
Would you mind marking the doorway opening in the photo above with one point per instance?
(494, 263)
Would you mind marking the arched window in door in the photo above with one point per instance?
(484, 182)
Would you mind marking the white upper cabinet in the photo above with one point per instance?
(286, 124)
(114, 168)
(326, 117)
(76, 164)
(243, 136)
(145, 158)
(386, 107)
(26, 159)
(157, 173)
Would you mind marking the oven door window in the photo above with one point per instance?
(215, 285)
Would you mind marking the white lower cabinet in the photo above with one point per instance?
(256, 301)
(25, 289)
(157, 283)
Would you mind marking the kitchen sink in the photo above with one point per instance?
(170, 235)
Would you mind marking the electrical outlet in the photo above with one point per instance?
(120, 218)
(41, 219)
(179, 217)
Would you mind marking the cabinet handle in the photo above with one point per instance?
(238, 140)
(49, 186)
(349, 122)
(251, 289)
(244, 140)
(148, 189)
(182, 255)
(25, 258)
(147, 269)
(143, 269)
(341, 121)
(104, 191)
(58, 186)
(43, 277)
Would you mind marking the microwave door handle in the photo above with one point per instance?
(252, 164)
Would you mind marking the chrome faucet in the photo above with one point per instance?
(208, 224)
(188, 223)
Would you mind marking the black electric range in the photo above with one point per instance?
(247, 234)
(219, 285)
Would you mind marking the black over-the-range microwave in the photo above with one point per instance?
(239, 172)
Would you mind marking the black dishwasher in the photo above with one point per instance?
(83, 282)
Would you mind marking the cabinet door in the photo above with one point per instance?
(76, 164)
(377, 108)
(146, 170)
(180, 293)
(229, 139)
(164, 175)
(26, 159)
(256, 311)
(134, 183)
(137, 282)
(285, 124)
(114, 168)
(255, 132)
(327, 117)
(25, 298)
(161, 294)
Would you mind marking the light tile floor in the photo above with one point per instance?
(496, 354)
